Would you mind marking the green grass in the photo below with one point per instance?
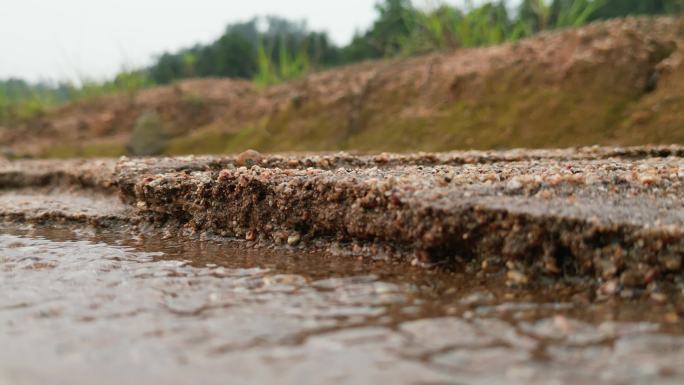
(577, 13)
(446, 27)
(29, 104)
(108, 149)
(289, 65)
(19, 103)
(215, 140)
(206, 141)
(128, 82)
(508, 111)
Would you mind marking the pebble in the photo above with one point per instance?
(294, 239)
(248, 158)
(672, 262)
(514, 185)
(609, 288)
(671, 317)
(649, 179)
(517, 277)
(659, 298)
(477, 298)
(632, 278)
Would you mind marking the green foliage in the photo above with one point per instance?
(538, 15)
(574, 13)
(292, 66)
(149, 136)
(396, 20)
(288, 66)
(485, 25)
(620, 8)
(405, 29)
(267, 74)
(20, 100)
(130, 81)
(388, 34)
(126, 81)
(284, 49)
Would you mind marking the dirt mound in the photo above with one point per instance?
(615, 82)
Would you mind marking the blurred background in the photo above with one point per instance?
(81, 78)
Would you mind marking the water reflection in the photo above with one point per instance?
(84, 308)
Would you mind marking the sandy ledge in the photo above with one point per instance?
(614, 215)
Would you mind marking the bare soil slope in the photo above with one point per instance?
(619, 82)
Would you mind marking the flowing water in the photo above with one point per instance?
(86, 307)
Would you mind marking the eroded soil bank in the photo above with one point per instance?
(465, 267)
(613, 217)
(619, 82)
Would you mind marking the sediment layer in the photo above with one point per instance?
(614, 214)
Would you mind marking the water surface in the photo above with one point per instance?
(86, 307)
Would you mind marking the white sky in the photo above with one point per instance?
(94, 39)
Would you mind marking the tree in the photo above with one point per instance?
(396, 20)
(236, 53)
(621, 8)
(232, 55)
(167, 68)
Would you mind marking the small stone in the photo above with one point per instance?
(607, 268)
(248, 158)
(628, 294)
(491, 265)
(545, 194)
(477, 298)
(609, 288)
(293, 240)
(633, 278)
(550, 265)
(517, 277)
(279, 237)
(250, 236)
(514, 185)
(562, 324)
(672, 262)
(649, 179)
(671, 318)
(658, 297)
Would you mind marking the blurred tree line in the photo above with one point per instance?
(20, 100)
(245, 51)
(285, 49)
(273, 49)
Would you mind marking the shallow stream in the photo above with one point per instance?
(82, 307)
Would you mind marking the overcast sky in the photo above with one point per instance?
(77, 39)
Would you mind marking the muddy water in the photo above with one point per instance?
(85, 307)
